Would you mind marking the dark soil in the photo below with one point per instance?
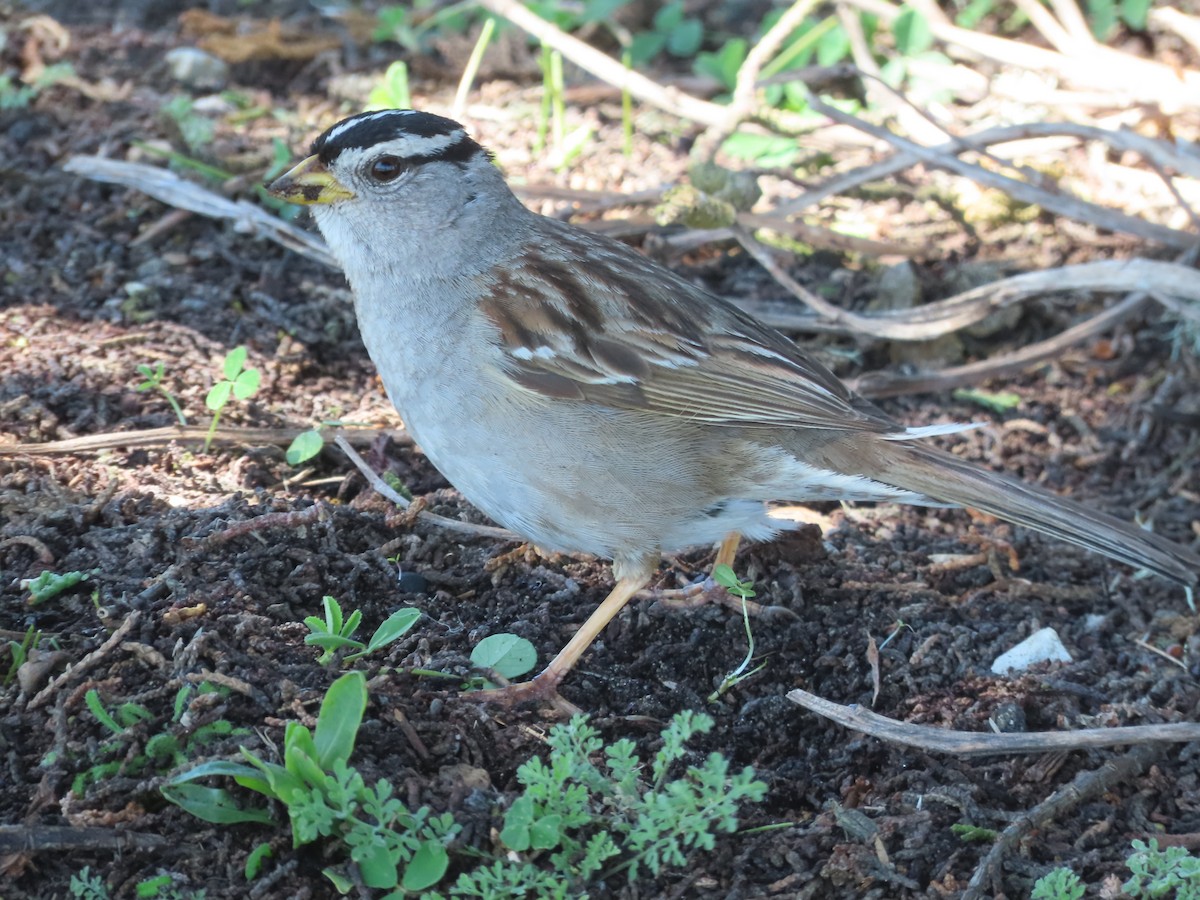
(218, 556)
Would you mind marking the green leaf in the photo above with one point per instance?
(214, 805)
(767, 151)
(508, 654)
(152, 887)
(235, 361)
(517, 823)
(255, 860)
(595, 11)
(546, 833)
(304, 447)
(341, 883)
(973, 833)
(219, 395)
(974, 13)
(377, 866)
(427, 867)
(331, 642)
(668, 16)
(394, 627)
(912, 32)
(1135, 13)
(833, 47)
(1103, 14)
(996, 401)
(333, 614)
(270, 779)
(92, 699)
(246, 384)
(645, 46)
(340, 716)
(724, 64)
(685, 38)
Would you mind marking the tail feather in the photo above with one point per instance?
(948, 479)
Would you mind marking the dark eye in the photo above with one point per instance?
(387, 168)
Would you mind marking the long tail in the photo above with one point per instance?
(946, 478)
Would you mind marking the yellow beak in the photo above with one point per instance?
(308, 184)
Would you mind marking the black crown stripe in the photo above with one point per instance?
(367, 130)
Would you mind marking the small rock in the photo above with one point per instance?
(1043, 645)
(898, 288)
(412, 583)
(1009, 718)
(196, 69)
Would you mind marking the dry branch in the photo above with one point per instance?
(164, 185)
(1125, 77)
(980, 743)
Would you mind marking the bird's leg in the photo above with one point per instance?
(727, 549)
(545, 685)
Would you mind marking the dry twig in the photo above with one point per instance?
(979, 743)
(164, 185)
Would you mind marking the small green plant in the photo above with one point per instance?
(591, 817)
(335, 632)
(388, 845)
(15, 94)
(19, 652)
(305, 446)
(576, 819)
(1106, 15)
(86, 886)
(1156, 873)
(154, 382)
(410, 25)
(1059, 884)
(672, 30)
(50, 584)
(392, 90)
(161, 751)
(970, 834)
(196, 130)
(726, 578)
(239, 382)
(996, 401)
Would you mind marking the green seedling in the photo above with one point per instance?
(304, 447)
(19, 652)
(996, 401)
(163, 750)
(15, 94)
(50, 584)
(1156, 873)
(472, 67)
(388, 846)
(576, 820)
(335, 632)
(592, 816)
(196, 130)
(86, 886)
(154, 382)
(392, 90)
(970, 834)
(239, 382)
(1059, 884)
(744, 590)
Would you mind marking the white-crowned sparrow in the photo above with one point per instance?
(591, 400)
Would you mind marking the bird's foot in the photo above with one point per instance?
(542, 689)
(708, 591)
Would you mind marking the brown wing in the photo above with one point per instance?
(601, 323)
